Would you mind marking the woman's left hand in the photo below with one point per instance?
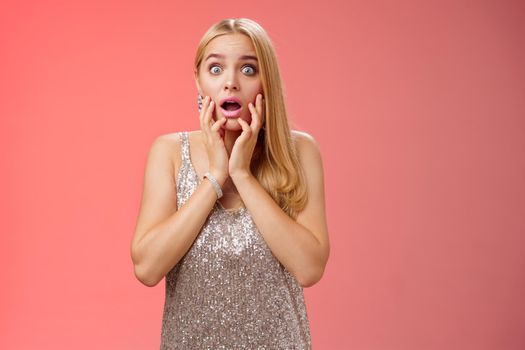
(242, 151)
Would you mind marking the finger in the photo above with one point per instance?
(255, 126)
(258, 104)
(255, 117)
(217, 125)
(208, 120)
(246, 130)
(261, 110)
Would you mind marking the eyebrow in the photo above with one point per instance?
(244, 57)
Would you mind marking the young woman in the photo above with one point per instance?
(233, 214)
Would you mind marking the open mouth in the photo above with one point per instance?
(230, 106)
(231, 109)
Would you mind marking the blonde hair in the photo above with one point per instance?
(275, 162)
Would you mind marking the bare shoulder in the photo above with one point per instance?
(170, 143)
(170, 138)
(307, 147)
(303, 137)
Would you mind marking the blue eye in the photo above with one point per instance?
(214, 67)
(252, 68)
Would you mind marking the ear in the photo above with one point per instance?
(196, 77)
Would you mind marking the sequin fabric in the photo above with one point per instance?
(229, 291)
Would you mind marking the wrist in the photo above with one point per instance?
(220, 177)
(240, 175)
(214, 182)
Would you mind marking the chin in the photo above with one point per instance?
(232, 124)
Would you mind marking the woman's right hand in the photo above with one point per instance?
(217, 155)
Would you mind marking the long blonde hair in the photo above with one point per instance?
(275, 162)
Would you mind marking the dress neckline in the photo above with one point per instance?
(196, 177)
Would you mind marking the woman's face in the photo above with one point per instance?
(230, 69)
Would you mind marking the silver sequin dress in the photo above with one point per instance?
(229, 291)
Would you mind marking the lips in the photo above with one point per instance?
(231, 107)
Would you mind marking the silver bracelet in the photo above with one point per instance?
(214, 183)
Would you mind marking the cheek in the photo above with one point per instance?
(210, 89)
(247, 115)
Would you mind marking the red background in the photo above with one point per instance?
(419, 108)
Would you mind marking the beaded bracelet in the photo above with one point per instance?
(214, 183)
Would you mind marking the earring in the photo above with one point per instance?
(199, 102)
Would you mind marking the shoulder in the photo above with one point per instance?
(168, 147)
(304, 139)
(166, 143)
(171, 138)
(307, 147)
(171, 143)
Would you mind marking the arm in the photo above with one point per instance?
(302, 246)
(164, 234)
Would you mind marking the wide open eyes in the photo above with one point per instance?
(247, 69)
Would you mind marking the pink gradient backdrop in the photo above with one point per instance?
(419, 108)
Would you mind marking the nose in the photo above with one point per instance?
(231, 82)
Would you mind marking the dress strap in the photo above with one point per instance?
(185, 147)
